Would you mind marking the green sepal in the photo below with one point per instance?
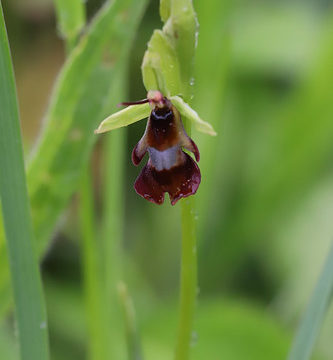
(127, 116)
(160, 67)
(187, 112)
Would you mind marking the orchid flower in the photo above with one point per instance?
(169, 169)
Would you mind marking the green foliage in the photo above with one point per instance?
(29, 303)
(133, 344)
(80, 99)
(93, 282)
(71, 18)
(263, 80)
(223, 330)
(313, 318)
(7, 346)
(113, 225)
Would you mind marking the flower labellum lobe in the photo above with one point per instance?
(169, 168)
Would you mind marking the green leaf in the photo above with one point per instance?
(7, 345)
(80, 99)
(132, 336)
(311, 323)
(127, 116)
(29, 302)
(220, 327)
(71, 17)
(186, 111)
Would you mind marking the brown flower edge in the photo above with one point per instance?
(169, 168)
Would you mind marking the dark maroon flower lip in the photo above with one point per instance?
(169, 168)
(180, 181)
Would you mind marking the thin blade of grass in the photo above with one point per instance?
(98, 339)
(113, 220)
(29, 302)
(71, 18)
(78, 104)
(311, 323)
(133, 344)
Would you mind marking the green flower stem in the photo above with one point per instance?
(26, 281)
(184, 24)
(188, 280)
(167, 66)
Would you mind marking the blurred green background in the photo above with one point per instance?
(264, 79)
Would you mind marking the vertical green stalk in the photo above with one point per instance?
(311, 323)
(117, 296)
(26, 281)
(113, 194)
(188, 280)
(133, 341)
(113, 219)
(182, 31)
(95, 306)
(71, 20)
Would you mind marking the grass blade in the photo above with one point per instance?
(133, 344)
(113, 220)
(95, 306)
(71, 18)
(26, 281)
(82, 93)
(310, 325)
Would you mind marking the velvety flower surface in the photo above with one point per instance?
(169, 168)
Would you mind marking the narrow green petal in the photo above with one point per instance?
(124, 117)
(186, 111)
